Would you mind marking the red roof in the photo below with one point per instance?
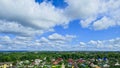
(80, 61)
(59, 59)
(70, 60)
(55, 62)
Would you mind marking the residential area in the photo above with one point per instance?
(61, 60)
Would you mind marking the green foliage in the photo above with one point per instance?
(21, 56)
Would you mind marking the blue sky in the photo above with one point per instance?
(60, 25)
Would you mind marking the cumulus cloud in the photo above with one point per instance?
(29, 13)
(93, 14)
(103, 23)
(25, 19)
(55, 41)
(57, 36)
(44, 43)
(102, 45)
(45, 15)
(82, 8)
(17, 43)
(17, 29)
(27, 43)
(60, 40)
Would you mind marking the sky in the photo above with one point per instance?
(60, 25)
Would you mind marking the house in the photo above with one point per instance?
(92, 60)
(37, 61)
(44, 58)
(97, 66)
(99, 59)
(105, 59)
(80, 61)
(59, 59)
(70, 62)
(52, 60)
(92, 65)
(27, 61)
(55, 62)
(6, 65)
(106, 65)
(63, 66)
(20, 63)
(117, 64)
(75, 65)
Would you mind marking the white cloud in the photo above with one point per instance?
(5, 39)
(29, 13)
(104, 23)
(92, 42)
(56, 41)
(82, 44)
(17, 29)
(57, 36)
(82, 8)
(89, 13)
(108, 45)
(87, 22)
(26, 19)
(27, 43)
(44, 43)
(43, 39)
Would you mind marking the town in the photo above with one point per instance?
(60, 60)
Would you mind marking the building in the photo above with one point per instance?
(117, 64)
(63, 66)
(6, 64)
